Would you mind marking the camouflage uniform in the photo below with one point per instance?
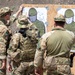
(4, 37)
(6, 10)
(57, 44)
(22, 47)
(5, 32)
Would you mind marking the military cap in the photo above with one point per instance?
(21, 23)
(4, 10)
(59, 17)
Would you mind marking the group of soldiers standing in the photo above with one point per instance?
(18, 49)
(27, 54)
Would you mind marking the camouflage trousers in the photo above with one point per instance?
(61, 67)
(61, 70)
(2, 71)
(25, 68)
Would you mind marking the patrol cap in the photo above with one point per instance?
(59, 17)
(21, 22)
(4, 10)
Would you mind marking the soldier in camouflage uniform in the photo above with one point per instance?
(4, 36)
(5, 33)
(57, 45)
(22, 47)
(5, 14)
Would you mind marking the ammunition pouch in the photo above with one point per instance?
(27, 56)
(49, 62)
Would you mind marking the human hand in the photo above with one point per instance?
(3, 64)
(20, 10)
(9, 68)
(38, 71)
(21, 7)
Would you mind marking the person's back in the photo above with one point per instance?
(60, 41)
(57, 45)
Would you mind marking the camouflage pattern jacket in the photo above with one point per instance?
(22, 48)
(4, 35)
(54, 45)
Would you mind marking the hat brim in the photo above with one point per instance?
(20, 25)
(62, 20)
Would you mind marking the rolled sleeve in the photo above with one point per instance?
(14, 43)
(13, 18)
(38, 60)
(3, 57)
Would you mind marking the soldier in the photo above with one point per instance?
(57, 45)
(4, 35)
(22, 46)
(5, 14)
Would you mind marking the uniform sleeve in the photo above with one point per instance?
(41, 50)
(41, 47)
(13, 18)
(2, 48)
(14, 43)
(3, 41)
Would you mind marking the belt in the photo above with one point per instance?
(27, 60)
